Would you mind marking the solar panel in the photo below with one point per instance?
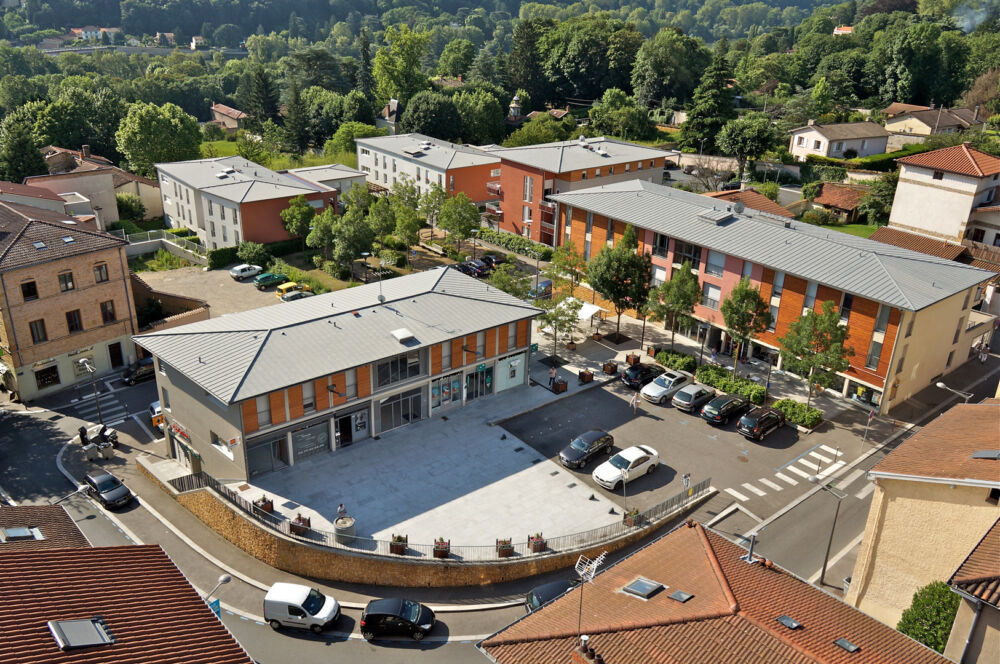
(847, 645)
(789, 622)
(643, 587)
(70, 634)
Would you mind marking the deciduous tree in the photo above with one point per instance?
(396, 68)
(481, 116)
(458, 217)
(814, 347)
(456, 58)
(567, 266)
(748, 137)
(432, 114)
(431, 202)
(253, 253)
(621, 275)
(151, 134)
(509, 279)
(876, 203)
(746, 314)
(19, 155)
(673, 301)
(343, 139)
(351, 236)
(561, 315)
(298, 217)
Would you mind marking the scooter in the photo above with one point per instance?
(108, 436)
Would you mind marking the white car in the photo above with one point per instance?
(666, 386)
(244, 271)
(627, 465)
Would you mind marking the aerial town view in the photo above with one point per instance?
(499, 332)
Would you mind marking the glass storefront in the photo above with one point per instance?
(864, 394)
(479, 384)
(446, 391)
(268, 455)
(311, 440)
(401, 409)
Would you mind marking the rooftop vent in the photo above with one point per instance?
(847, 645)
(582, 139)
(789, 622)
(229, 171)
(39, 245)
(72, 634)
(602, 152)
(643, 587)
(993, 455)
(715, 217)
(402, 335)
(680, 596)
(20, 534)
(221, 176)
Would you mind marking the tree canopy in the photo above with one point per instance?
(151, 134)
(621, 275)
(745, 313)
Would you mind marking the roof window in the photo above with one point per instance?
(680, 596)
(847, 645)
(20, 534)
(992, 455)
(789, 622)
(643, 587)
(39, 245)
(69, 239)
(72, 634)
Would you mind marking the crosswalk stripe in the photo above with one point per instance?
(736, 494)
(768, 483)
(105, 411)
(800, 473)
(821, 457)
(785, 478)
(855, 474)
(827, 448)
(751, 488)
(861, 495)
(831, 470)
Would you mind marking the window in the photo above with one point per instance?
(451, 183)
(586, 238)
(211, 225)
(211, 211)
(393, 165)
(220, 444)
(446, 355)
(716, 263)
(225, 234)
(978, 235)
(864, 144)
(902, 358)
(101, 273)
(583, 175)
(29, 291)
(308, 397)
(188, 192)
(958, 330)
(511, 335)
(882, 320)
(418, 174)
(938, 175)
(638, 166)
(810, 300)
(909, 326)
(73, 321)
(800, 141)
(652, 163)
(480, 345)
(661, 244)
(108, 311)
(845, 307)
(628, 167)
(747, 269)
(351, 383)
(816, 145)
(611, 170)
(779, 283)
(38, 334)
(399, 368)
(838, 146)
(66, 282)
(774, 318)
(597, 172)
(951, 356)
(687, 252)
(710, 296)
(495, 173)
(526, 214)
(47, 377)
(165, 399)
(236, 237)
(659, 276)
(365, 151)
(263, 411)
(874, 353)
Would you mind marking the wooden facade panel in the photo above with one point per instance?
(502, 334)
(824, 293)
(523, 328)
(249, 408)
(457, 356)
(891, 330)
(491, 342)
(295, 408)
(860, 326)
(322, 394)
(470, 343)
(435, 359)
(598, 234)
(578, 231)
(364, 381)
(793, 296)
(277, 400)
(339, 384)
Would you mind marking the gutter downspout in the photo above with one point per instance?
(975, 620)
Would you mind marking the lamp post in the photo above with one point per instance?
(475, 234)
(702, 147)
(364, 259)
(624, 496)
(223, 579)
(538, 257)
(91, 369)
(964, 395)
(839, 495)
(703, 330)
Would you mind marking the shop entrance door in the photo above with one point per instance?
(479, 384)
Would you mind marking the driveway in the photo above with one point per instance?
(223, 294)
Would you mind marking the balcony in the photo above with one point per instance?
(494, 210)
(547, 227)
(493, 188)
(547, 206)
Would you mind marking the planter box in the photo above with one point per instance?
(597, 336)
(571, 345)
(264, 505)
(299, 527)
(505, 549)
(611, 368)
(398, 548)
(633, 520)
(536, 544)
(586, 376)
(653, 351)
(442, 549)
(633, 359)
(559, 386)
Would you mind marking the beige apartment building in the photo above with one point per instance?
(64, 296)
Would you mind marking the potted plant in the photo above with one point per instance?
(633, 359)
(442, 548)
(559, 386)
(300, 524)
(536, 543)
(505, 548)
(264, 504)
(397, 545)
(653, 350)
(586, 376)
(611, 367)
(632, 518)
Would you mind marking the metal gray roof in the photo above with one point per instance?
(242, 355)
(881, 272)
(321, 174)
(565, 156)
(441, 154)
(248, 183)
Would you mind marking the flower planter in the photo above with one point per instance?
(610, 368)
(397, 545)
(559, 386)
(505, 548)
(633, 359)
(586, 376)
(264, 505)
(442, 548)
(571, 345)
(597, 336)
(653, 351)
(300, 525)
(536, 543)
(632, 518)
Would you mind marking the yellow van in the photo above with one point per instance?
(290, 286)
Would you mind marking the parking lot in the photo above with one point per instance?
(223, 294)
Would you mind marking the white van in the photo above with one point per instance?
(293, 605)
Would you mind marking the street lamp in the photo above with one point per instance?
(475, 234)
(702, 147)
(703, 331)
(223, 579)
(839, 495)
(91, 369)
(964, 395)
(538, 257)
(624, 496)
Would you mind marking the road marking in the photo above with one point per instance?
(821, 457)
(836, 558)
(785, 478)
(768, 483)
(146, 429)
(827, 448)
(751, 488)
(861, 495)
(736, 494)
(831, 470)
(800, 473)
(855, 474)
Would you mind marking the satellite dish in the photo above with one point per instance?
(738, 207)
(381, 298)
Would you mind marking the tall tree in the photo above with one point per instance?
(673, 301)
(458, 217)
(621, 275)
(617, 114)
(746, 314)
(748, 137)
(431, 202)
(298, 217)
(876, 203)
(343, 139)
(19, 155)
(456, 58)
(509, 279)
(567, 266)
(261, 103)
(351, 236)
(358, 197)
(481, 116)
(321, 235)
(296, 123)
(381, 217)
(151, 134)
(433, 114)
(814, 347)
(561, 315)
(668, 66)
(712, 105)
(397, 65)
(525, 63)
(366, 82)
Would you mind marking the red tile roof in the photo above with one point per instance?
(753, 200)
(979, 575)
(920, 243)
(962, 159)
(731, 618)
(24, 190)
(154, 614)
(56, 527)
(895, 108)
(22, 226)
(839, 196)
(229, 111)
(943, 449)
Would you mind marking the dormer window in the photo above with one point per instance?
(938, 175)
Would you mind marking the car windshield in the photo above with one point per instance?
(533, 600)
(710, 409)
(314, 602)
(580, 444)
(107, 483)
(620, 462)
(410, 610)
(661, 381)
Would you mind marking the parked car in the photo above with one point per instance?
(268, 279)
(289, 287)
(585, 446)
(731, 186)
(665, 386)
(669, 163)
(547, 592)
(291, 296)
(691, 398)
(295, 605)
(722, 409)
(107, 489)
(492, 260)
(396, 617)
(759, 422)
(141, 370)
(630, 463)
(638, 375)
(476, 268)
(543, 291)
(667, 176)
(156, 416)
(244, 271)
(465, 268)
(690, 170)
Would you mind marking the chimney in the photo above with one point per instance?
(85, 151)
(975, 117)
(583, 654)
(810, 123)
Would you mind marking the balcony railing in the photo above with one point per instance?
(493, 187)
(494, 210)
(547, 206)
(548, 227)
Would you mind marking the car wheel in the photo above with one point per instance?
(275, 625)
(368, 635)
(661, 401)
(617, 486)
(725, 421)
(651, 469)
(418, 635)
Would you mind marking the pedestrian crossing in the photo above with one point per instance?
(111, 409)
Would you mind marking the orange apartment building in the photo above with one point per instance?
(66, 296)
(529, 175)
(229, 200)
(911, 317)
(272, 387)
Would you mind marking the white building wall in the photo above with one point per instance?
(937, 208)
(833, 148)
(222, 222)
(182, 207)
(385, 169)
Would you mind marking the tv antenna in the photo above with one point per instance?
(586, 569)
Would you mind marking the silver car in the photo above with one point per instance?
(666, 385)
(691, 398)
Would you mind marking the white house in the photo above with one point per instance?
(925, 122)
(843, 140)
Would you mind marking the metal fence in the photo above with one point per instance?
(147, 236)
(517, 549)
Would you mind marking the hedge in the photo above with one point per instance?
(678, 361)
(521, 245)
(875, 162)
(220, 258)
(721, 379)
(797, 412)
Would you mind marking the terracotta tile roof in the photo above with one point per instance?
(25, 190)
(22, 226)
(753, 200)
(119, 177)
(979, 575)
(48, 150)
(895, 108)
(921, 243)
(229, 111)
(53, 523)
(839, 196)
(962, 159)
(943, 449)
(731, 617)
(151, 610)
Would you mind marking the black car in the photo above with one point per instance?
(759, 422)
(107, 489)
(492, 260)
(547, 592)
(667, 164)
(585, 446)
(483, 267)
(722, 409)
(473, 268)
(637, 375)
(396, 617)
(731, 186)
(465, 268)
(141, 370)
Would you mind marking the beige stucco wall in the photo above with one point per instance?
(907, 125)
(984, 644)
(938, 208)
(864, 147)
(916, 533)
(98, 186)
(148, 194)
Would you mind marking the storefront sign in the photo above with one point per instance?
(533, 348)
(177, 429)
(481, 367)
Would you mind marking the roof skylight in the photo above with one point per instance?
(643, 587)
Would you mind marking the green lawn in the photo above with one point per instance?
(218, 148)
(861, 230)
(281, 161)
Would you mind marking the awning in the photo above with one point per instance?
(588, 311)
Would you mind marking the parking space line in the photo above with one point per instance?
(736, 494)
(831, 470)
(827, 448)
(800, 473)
(768, 483)
(751, 488)
(785, 478)
(861, 495)
(820, 457)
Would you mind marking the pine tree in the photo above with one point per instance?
(712, 105)
(366, 82)
(262, 100)
(296, 122)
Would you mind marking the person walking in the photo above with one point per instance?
(634, 403)
(341, 511)
(552, 377)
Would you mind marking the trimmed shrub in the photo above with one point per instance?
(284, 247)
(130, 207)
(721, 379)
(678, 361)
(797, 412)
(930, 616)
(253, 253)
(220, 258)
(517, 243)
(125, 225)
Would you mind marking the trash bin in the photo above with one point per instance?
(343, 530)
(107, 451)
(90, 450)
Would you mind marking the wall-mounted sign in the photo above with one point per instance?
(481, 367)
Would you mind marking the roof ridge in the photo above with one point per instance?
(250, 364)
(899, 291)
(734, 605)
(15, 237)
(967, 148)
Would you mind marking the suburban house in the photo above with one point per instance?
(935, 498)
(241, 397)
(952, 194)
(228, 200)
(227, 117)
(197, 42)
(94, 32)
(427, 161)
(66, 296)
(910, 316)
(23, 194)
(845, 140)
(557, 113)
(895, 108)
(693, 596)
(338, 177)
(841, 200)
(751, 198)
(975, 634)
(528, 176)
(841, 30)
(931, 121)
(389, 116)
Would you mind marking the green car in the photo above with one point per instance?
(268, 279)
